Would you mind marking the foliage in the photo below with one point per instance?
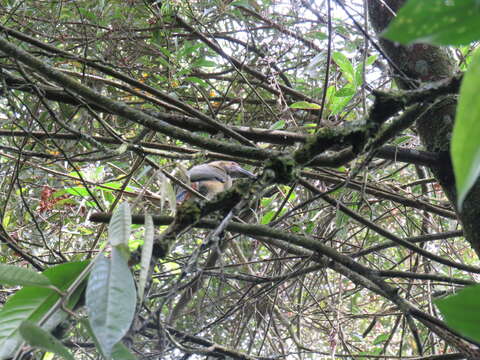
(335, 249)
(436, 22)
(460, 311)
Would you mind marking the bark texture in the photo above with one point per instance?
(418, 64)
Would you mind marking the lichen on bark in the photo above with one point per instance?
(426, 63)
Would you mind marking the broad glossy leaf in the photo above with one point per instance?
(436, 22)
(42, 339)
(460, 311)
(32, 303)
(110, 300)
(15, 275)
(120, 225)
(465, 147)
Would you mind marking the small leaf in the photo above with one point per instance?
(371, 59)
(42, 339)
(196, 80)
(465, 147)
(242, 3)
(345, 91)
(280, 124)
(339, 103)
(204, 63)
(267, 217)
(345, 65)
(437, 22)
(76, 190)
(460, 311)
(122, 149)
(120, 224)
(15, 275)
(380, 339)
(110, 300)
(305, 105)
(189, 49)
(320, 35)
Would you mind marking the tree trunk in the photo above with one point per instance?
(425, 63)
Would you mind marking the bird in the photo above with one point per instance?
(212, 178)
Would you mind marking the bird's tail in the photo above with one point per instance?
(182, 196)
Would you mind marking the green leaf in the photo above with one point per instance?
(32, 303)
(146, 255)
(267, 217)
(242, 3)
(120, 224)
(196, 80)
(437, 22)
(110, 300)
(15, 275)
(358, 78)
(189, 49)
(305, 105)
(371, 59)
(280, 124)
(204, 63)
(320, 35)
(460, 311)
(465, 147)
(345, 65)
(380, 339)
(76, 190)
(42, 339)
(345, 91)
(339, 103)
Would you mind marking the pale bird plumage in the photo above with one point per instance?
(213, 178)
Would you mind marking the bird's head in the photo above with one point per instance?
(232, 169)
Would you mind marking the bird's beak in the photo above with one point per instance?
(238, 171)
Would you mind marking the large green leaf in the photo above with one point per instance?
(437, 22)
(32, 303)
(15, 275)
(110, 300)
(460, 311)
(120, 224)
(465, 147)
(42, 339)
